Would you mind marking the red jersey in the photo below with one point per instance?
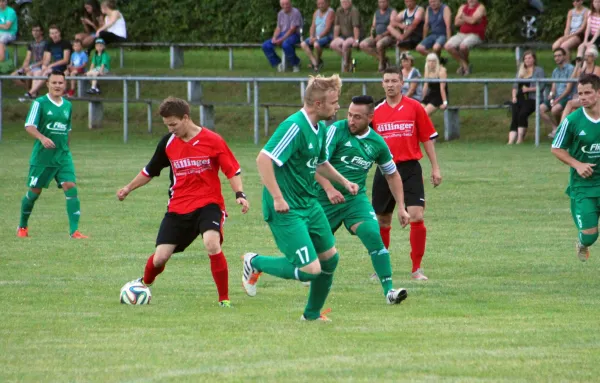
(403, 128)
(479, 28)
(194, 167)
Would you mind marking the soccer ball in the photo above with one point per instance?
(135, 293)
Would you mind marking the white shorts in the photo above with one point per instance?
(467, 39)
(6, 38)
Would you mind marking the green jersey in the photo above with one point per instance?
(297, 148)
(579, 134)
(352, 156)
(53, 120)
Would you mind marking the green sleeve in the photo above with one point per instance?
(33, 116)
(283, 143)
(564, 136)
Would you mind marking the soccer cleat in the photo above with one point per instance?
(141, 280)
(250, 275)
(583, 252)
(225, 304)
(418, 275)
(22, 232)
(77, 235)
(322, 317)
(396, 296)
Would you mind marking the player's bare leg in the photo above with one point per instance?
(27, 204)
(418, 237)
(73, 209)
(218, 265)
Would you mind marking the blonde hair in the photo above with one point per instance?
(318, 86)
(436, 72)
(522, 69)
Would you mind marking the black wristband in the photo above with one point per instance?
(240, 194)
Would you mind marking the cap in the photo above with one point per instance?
(100, 41)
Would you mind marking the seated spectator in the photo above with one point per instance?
(286, 34)
(32, 65)
(321, 34)
(587, 67)
(346, 32)
(592, 29)
(380, 38)
(56, 57)
(407, 26)
(437, 28)
(409, 72)
(114, 29)
(436, 93)
(79, 60)
(92, 21)
(8, 27)
(100, 65)
(560, 93)
(472, 20)
(523, 98)
(574, 29)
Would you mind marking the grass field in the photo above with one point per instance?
(507, 299)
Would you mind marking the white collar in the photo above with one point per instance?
(316, 130)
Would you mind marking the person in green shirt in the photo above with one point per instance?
(577, 144)
(100, 65)
(49, 122)
(8, 27)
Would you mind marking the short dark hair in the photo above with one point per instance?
(56, 72)
(561, 50)
(77, 41)
(364, 100)
(54, 26)
(37, 25)
(174, 107)
(393, 70)
(590, 78)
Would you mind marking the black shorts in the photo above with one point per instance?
(183, 229)
(412, 180)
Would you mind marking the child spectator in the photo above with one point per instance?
(99, 67)
(79, 60)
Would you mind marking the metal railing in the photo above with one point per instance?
(253, 91)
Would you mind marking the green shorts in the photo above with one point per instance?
(41, 176)
(563, 102)
(300, 234)
(585, 212)
(357, 210)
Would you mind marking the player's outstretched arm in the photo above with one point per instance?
(333, 194)
(397, 188)
(267, 176)
(583, 169)
(139, 181)
(240, 196)
(436, 175)
(326, 170)
(33, 132)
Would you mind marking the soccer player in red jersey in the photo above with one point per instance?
(196, 206)
(404, 124)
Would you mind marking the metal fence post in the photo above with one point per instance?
(248, 93)
(537, 113)
(485, 95)
(137, 89)
(125, 116)
(364, 88)
(121, 59)
(1, 108)
(302, 91)
(230, 58)
(256, 107)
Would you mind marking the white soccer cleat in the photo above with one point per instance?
(396, 296)
(250, 275)
(583, 252)
(418, 275)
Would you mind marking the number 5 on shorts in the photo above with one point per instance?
(302, 253)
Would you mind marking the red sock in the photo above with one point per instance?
(218, 267)
(418, 236)
(151, 271)
(385, 235)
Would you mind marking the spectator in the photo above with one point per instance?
(407, 26)
(100, 65)
(436, 93)
(56, 57)
(592, 28)
(409, 72)
(380, 38)
(92, 21)
(32, 65)
(286, 34)
(79, 60)
(438, 25)
(587, 67)
(560, 92)
(114, 29)
(346, 32)
(523, 97)
(472, 20)
(321, 34)
(574, 29)
(8, 27)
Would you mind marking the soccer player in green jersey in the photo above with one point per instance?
(353, 148)
(49, 122)
(287, 166)
(577, 144)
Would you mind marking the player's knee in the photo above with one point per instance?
(588, 237)
(67, 186)
(313, 268)
(384, 220)
(329, 265)
(416, 214)
(368, 233)
(37, 191)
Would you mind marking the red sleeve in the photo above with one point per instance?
(425, 129)
(229, 165)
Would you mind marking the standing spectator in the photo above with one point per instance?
(346, 32)
(286, 34)
(32, 65)
(436, 93)
(8, 27)
(100, 65)
(574, 29)
(79, 60)
(56, 58)
(413, 90)
(560, 93)
(523, 98)
(376, 44)
(321, 33)
(587, 67)
(407, 26)
(437, 28)
(472, 20)
(92, 21)
(114, 29)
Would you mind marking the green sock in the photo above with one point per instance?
(27, 207)
(280, 267)
(73, 210)
(319, 288)
(368, 232)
